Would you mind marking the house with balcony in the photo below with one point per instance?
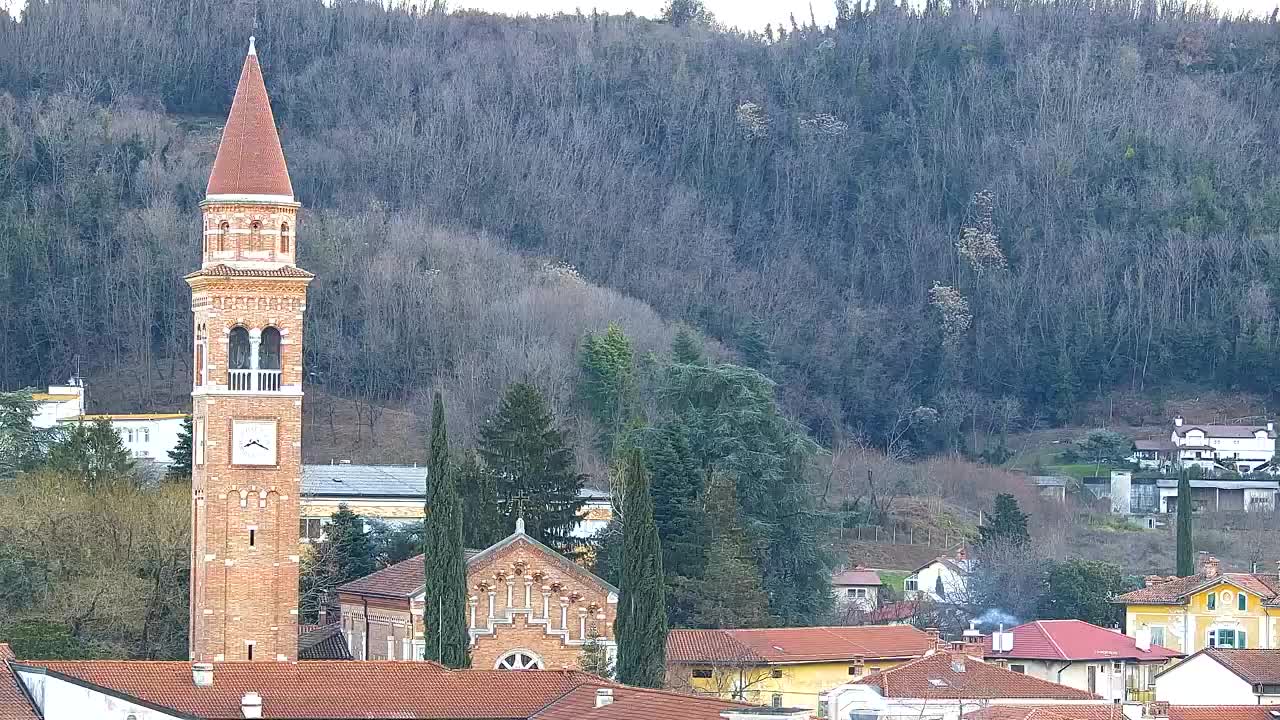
(1077, 654)
(1211, 609)
(1230, 448)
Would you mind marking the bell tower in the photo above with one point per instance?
(248, 299)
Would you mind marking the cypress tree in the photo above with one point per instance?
(445, 611)
(180, 455)
(532, 461)
(642, 612)
(1186, 553)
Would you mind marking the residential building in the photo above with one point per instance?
(1231, 448)
(945, 685)
(530, 608)
(858, 588)
(788, 667)
(1083, 656)
(148, 437)
(1154, 454)
(62, 401)
(1223, 676)
(943, 579)
(395, 494)
(1128, 711)
(234, 690)
(1208, 609)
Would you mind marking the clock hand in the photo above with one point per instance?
(255, 442)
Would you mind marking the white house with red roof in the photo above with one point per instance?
(1223, 676)
(858, 588)
(945, 685)
(1083, 656)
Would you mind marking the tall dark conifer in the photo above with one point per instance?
(642, 612)
(534, 468)
(678, 513)
(1186, 552)
(445, 611)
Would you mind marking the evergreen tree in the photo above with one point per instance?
(1186, 552)
(534, 467)
(730, 594)
(180, 455)
(686, 348)
(445, 609)
(677, 508)
(482, 521)
(93, 454)
(22, 445)
(1006, 522)
(608, 380)
(754, 346)
(642, 611)
(594, 657)
(345, 554)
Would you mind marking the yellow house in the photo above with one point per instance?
(1208, 609)
(787, 667)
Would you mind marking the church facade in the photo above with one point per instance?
(529, 607)
(248, 300)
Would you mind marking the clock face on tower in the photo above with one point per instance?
(253, 442)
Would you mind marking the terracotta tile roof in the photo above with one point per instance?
(1257, 667)
(336, 690)
(1222, 712)
(1074, 640)
(635, 704)
(857, 576)
(1107, 711)
(402, 580)
(285, 271)
(249, 160)
(14, 704)
(405, 579)
(895, 611)
(325, 642)
(934, 677)
(792, 645)
(1175, 591)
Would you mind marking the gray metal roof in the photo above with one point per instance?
(1224, 484)
(382, 481)
(1050, 480)
(405, 481)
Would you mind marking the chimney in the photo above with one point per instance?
(1271, 426)
(935, 638)
(202, 674)
(1210, 567)
(972, 638)
(604, 696)
(960, 552)
(322, 615)
(1155, 710)
(1177, 421)
(251, 705)
(1151, 580)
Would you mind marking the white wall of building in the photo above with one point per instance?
(146, 437)
(953, 583)
(846, 700)
(1201, 680)
(61, 402)
(58, 699)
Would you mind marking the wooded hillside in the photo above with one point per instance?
(917, 223)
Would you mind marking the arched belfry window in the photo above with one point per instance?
(238, 356)
(223, 230)
(284, 238)
(519, 660)
(269, 350)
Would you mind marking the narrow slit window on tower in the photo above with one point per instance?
(250, 648)
(223, 230)
(252, 536)
(255, 235)
(284, 237)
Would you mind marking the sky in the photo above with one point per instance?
(744, 14)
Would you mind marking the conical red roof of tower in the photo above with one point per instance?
(250, 161)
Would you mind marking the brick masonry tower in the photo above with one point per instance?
(248, 299)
